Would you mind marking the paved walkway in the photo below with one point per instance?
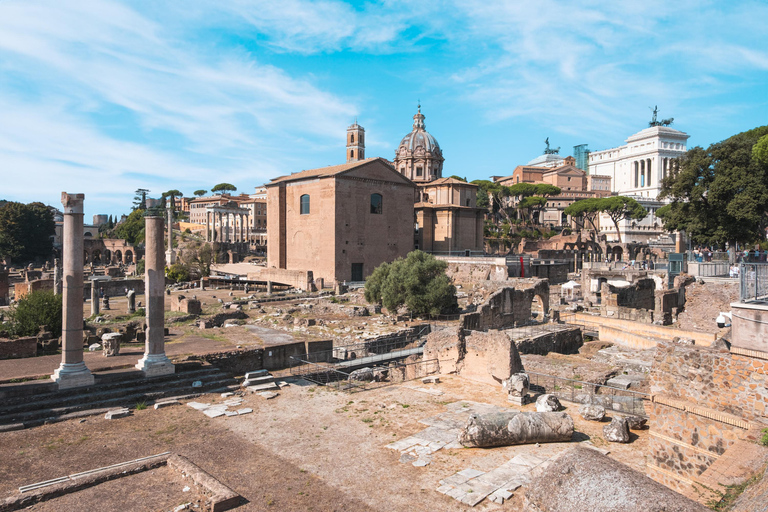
(34, 367)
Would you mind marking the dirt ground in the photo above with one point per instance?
(310, 449)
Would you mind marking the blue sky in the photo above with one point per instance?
(104, 97)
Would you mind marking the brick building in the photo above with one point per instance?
(340, 222)
(449, 221)
(573, 182)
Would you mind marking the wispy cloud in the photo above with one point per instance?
(183, 106)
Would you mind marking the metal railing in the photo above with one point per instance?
(581, 392)
(753, 278)
(373, 350)
(394, 373)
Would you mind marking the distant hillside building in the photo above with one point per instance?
(573, 182)
(341, 221)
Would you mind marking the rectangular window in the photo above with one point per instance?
(304, 204)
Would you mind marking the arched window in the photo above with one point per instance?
(351, 153)
(376, 203)
(351, 137)
(304, 204)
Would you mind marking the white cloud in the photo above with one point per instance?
(182, 106)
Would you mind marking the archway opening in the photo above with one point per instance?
(538, 311)
(128, 257)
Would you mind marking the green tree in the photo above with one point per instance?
(26, 231)
(619, 208)
(140, 199)
(588, 209)
(458, 178)
(532, 197)
(178, 272)
(200, 193)
(132, 229)
(33, 310)
(720, 194)
(418, 282)
(224, 188)
(172, 195)
(492, 195)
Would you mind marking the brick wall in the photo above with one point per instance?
(18, 348)
(717, 379)
(508, 307)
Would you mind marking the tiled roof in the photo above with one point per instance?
(331, 170)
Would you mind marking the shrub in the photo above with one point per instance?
(140, 266)
(177, 272)
(418, 282)
(35, 309)
(764, 439)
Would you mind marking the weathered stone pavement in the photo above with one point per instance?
(471, 486)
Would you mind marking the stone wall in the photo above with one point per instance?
(115, 287)
(299, 279)
(22, 289)
(682, 445)
(704, 400)
(488, 357)
(628, 333)
(713, 378)
(556, 272)
(473, 272)
(186, 305)
(508, 307)
(565, 341)
(18, 348)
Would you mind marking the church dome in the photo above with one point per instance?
(420, 137)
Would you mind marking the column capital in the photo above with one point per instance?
(73, 203)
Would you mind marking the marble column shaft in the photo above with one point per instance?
(72, 372)
(154, 362)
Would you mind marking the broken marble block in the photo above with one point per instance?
(636, 422)
(117, 413)
(617, 431)
(548, 403)
(517, 387)
(592, 412)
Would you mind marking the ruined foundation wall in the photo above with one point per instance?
(704, 400)
(717, 379)
(18, 348)
(683, 444)
(508, 307)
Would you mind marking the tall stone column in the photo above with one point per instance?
(170, 254)
(155, 362)
(94, 298)
(72, 372)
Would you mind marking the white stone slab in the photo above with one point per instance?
(246, 410)
(213, 413)
(199, 406)
(166, 403)
(117, 413)
(230, 413)
(267, 394)
(471, 473)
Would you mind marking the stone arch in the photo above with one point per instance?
(96, 257)
(539, 310)
(86, 257)
(617, 252)
(118, 256)
(107, 258)
(128, 257)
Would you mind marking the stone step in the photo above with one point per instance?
(148, 395)
(55, 398)
(263, 387)
(258, 380)
(256, 374)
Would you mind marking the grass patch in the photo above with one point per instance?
(725, 500)
(764, 439)
(140, 406)
(367, 420)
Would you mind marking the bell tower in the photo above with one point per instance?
(355, 143)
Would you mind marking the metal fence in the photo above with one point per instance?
(395, 372)
(373, 350)
(580, 392)
(754, 282)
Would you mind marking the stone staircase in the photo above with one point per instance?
(260, 380)
(32, 404)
